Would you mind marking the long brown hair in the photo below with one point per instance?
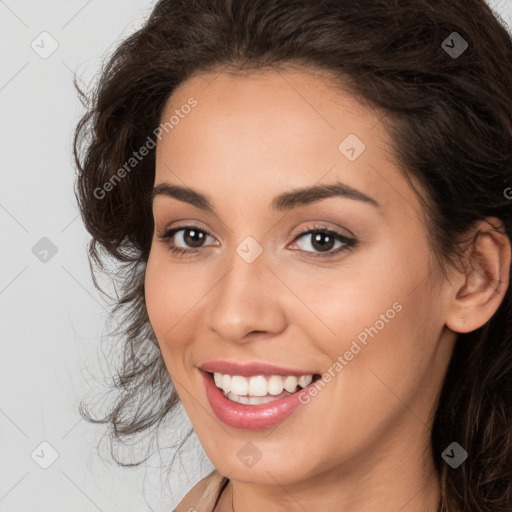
(448, 105)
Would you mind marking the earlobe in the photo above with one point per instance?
(478, 291)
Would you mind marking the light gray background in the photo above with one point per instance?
(51, 316)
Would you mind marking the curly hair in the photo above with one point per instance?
(450, 117)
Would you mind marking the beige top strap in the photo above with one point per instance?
(203, 496)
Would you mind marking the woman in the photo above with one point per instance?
(307, 204)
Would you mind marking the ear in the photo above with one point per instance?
(478, 290)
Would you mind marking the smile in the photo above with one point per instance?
(254, 396)
(259, 389)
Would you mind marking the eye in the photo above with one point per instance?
(190, 240)
(327, 242)
(178, 240)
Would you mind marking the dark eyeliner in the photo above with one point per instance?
(348, 243)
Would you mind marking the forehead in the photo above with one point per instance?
(294, 97)
(288, 128)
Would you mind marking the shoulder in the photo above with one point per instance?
(203, 496)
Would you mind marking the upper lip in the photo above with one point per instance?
(249, 369)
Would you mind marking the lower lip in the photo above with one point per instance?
(249, 417)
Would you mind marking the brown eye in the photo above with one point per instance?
(185, 239)
(323, 242)
(193, 237)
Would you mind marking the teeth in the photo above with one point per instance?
(226, 383)
(217, 377)
(291, 383)
(275, 385)
(239, 385)
(242, 389)
(257, 386)
(251, 400)
(305, 380)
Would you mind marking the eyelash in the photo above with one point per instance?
(349, 243)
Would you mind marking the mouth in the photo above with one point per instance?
(255, 401)
(260, 389)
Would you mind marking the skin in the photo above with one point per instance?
(362, 444)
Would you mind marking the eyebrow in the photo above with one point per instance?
(283, 202)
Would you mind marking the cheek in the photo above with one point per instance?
(164, 301)
(153, 288)
(173, 294)
(384, 322)
(361, 293)
(391, 379)
(166, 292)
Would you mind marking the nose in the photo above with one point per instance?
(247, 303)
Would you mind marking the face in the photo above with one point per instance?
(301, 252)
